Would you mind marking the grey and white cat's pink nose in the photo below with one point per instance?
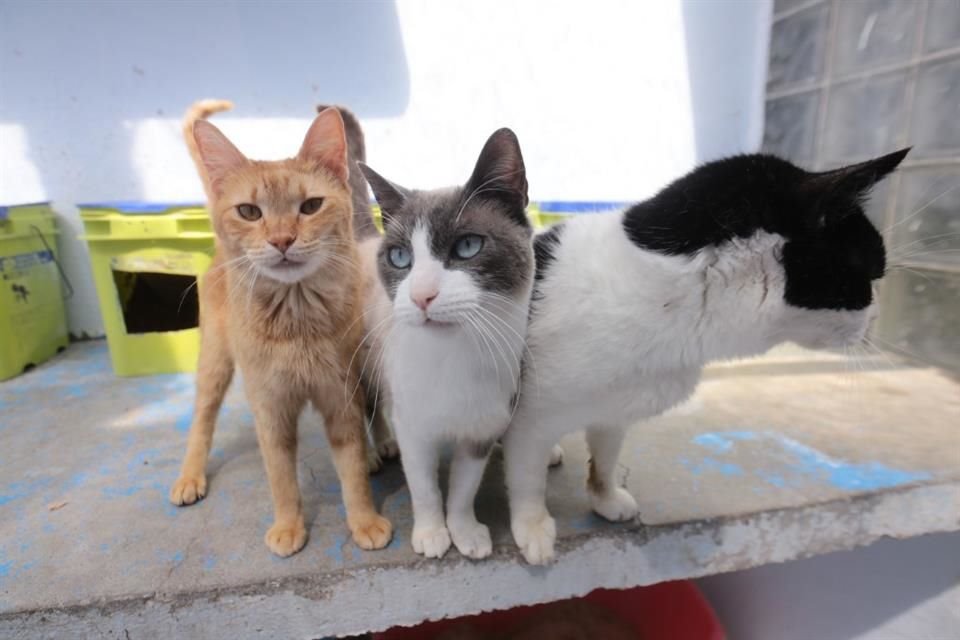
(423, 297)
(282, 242)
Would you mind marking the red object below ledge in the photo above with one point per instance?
(666, 611)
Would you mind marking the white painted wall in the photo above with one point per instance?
(610, 99)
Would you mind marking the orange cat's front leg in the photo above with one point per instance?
(276, 417)
(344, 422)
(214, 373)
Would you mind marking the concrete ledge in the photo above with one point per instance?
(378, 597)
(767, 463)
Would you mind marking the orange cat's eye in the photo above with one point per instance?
(311, 205)
(249, 212)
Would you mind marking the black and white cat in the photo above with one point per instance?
(458, 266)
(736, 257)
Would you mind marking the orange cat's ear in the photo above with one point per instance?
(218, 154)
(326, 143)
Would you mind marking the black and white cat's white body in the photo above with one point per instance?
(628, 308)
(458, 266)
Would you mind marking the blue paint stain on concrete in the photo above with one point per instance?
(77, 480)
(337, 550)
(798, 464)
(775, 479)
(121, 492)
(184, 420)
(844, 475)
(209, 561)
(712, 465)
(714, 441)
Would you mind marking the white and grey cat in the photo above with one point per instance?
(458, 266)
(736, 257)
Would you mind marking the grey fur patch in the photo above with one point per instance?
(479, 448)
(363, 226)
(491, 205)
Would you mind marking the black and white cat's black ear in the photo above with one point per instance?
(856, 179)
(499, 172)
(391, 197)
(837, 190)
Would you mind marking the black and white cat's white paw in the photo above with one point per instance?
(616, 505)
(556, 455)
(431, 542)
(471, 539)
(536, 537)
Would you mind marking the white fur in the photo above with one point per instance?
(452, 372)
(621, 334)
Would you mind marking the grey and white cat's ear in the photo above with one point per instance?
(391, 197)
(220, 158)
(499, 172)
(326, 143)
(855, 179)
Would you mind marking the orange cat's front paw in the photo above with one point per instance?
(188, 489)
(371, 532)
(285, 539)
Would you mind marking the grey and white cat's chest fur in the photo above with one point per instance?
(457, 265)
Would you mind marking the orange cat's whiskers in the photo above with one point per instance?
(291, 332)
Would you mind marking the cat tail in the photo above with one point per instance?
(201, 110)
(363, 226)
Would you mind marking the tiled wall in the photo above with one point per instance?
(850, 79)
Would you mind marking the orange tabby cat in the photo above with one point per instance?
(282, 301)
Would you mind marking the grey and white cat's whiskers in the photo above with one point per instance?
(453, 354)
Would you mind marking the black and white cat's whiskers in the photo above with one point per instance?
(726, 262)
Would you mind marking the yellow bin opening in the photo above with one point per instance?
(147, 259)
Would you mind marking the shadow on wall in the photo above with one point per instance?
(722, 39)
(73, 73)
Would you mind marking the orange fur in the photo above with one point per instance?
(292, 336)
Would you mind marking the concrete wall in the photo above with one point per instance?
(892, 590)
(610, 99)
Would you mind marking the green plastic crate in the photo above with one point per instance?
(550, 213)
(33, 321)
(147, 259)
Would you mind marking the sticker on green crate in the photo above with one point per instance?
(177, 263)
(24, 261)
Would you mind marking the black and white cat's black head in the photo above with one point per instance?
(452, 255)
(828, 251)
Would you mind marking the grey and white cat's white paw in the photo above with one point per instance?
(431, 542)
(617, 505)
(472, 539)
(556, 455)
(388, 449)
(535, 537)
(374, 461)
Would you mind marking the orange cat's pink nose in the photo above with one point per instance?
(282, 242)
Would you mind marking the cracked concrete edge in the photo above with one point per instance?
(375, 598)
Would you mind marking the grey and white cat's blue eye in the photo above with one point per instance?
(468, 246)
(399, 257)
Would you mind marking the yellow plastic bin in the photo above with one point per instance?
(146, 259)
(549, 213)
(33, 319)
